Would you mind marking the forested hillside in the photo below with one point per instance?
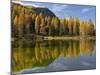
(28, 21)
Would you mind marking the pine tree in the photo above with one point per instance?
(56, 25)
(37, 25)
(42, 26)
(82, 28)
(20, 24)
(49, 25)
(15, 21)
(90, 27)
(63, 25)
(76, 27)
(70, 25)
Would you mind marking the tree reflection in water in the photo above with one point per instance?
(30, 54)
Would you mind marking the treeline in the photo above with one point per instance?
(25, 22)
(71, 26)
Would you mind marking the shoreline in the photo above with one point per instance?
(57, 38)
(69, 37)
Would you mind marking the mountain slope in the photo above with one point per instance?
(37, 10)
(44, 11)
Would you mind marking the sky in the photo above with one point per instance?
(83, 12)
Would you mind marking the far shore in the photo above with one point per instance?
(69, 37)
(40, 38)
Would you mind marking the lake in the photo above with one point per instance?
(52, 55)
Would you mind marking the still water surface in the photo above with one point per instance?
(46, 56)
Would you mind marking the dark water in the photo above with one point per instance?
(46, 56)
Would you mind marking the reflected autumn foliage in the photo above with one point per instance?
(30, 54)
